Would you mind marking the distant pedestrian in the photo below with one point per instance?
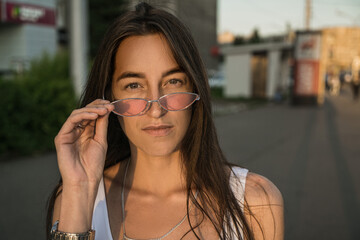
(342, 78)
(334, 85)
(356, 76)
(355, 87)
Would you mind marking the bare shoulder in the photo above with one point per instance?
(260, 191)
(264, 208)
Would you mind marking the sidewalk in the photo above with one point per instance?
(25, 186)
(311, 154)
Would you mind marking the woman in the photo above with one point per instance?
(141, 160)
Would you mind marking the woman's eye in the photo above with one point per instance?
(175, 82)
(132, 86)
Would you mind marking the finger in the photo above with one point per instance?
(98, 102)
(98, 109)
(107, 108)
(84, 123)
(91, 125)
(75, 119)
(72, 135)
(83, 116)
(101, 126)
(69, 138)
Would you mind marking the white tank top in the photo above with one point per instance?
(100, 219)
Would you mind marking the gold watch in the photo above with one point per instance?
(57, 235)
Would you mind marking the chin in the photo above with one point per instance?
(159, 150)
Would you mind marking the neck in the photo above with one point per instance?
(158, 175)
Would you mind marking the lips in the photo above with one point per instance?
(158, 130)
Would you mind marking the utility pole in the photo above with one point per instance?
(78, 44)
(307, 14)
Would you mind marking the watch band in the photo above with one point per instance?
(57, 235)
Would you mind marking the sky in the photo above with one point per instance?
(271, 17)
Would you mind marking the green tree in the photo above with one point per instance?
(255, 37)
(34, 106)
(239, 40)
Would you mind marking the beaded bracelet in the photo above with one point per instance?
(57, 235)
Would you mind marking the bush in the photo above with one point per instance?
(217, 92)
(35, 105)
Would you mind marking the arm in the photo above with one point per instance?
(81, 153)
(265, 212)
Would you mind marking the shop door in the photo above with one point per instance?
(258, 75)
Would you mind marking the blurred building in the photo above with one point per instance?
(257, 70)
(200, 17)
(27, 30)
(226, 38)
(340, 47)
(267, 69)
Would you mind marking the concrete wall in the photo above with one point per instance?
(273, 73)
(20, 43)
(238, 68)
(238, 75)
(12, 46)
(39, 39)
(285, 72)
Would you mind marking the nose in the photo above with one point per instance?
(155, 110)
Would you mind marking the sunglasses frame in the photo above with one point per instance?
(149, 103)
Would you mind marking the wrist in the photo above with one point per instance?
(77, 204)
(82, 184)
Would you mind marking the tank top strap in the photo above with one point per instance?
(100, 219)
(237, 183)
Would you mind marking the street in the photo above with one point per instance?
(312, 154)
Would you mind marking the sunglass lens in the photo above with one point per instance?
(129, 107)
(177, 101)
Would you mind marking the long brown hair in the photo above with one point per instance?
(203, 160)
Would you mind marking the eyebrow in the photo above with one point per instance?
(172, 71)
(142, 75)
(130, 75)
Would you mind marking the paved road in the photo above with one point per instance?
(25, 185)
(311, 153)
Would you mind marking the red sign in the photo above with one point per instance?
(306, 75)
(307, 56)
(27, 13)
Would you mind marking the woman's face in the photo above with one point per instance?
(145, 68)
